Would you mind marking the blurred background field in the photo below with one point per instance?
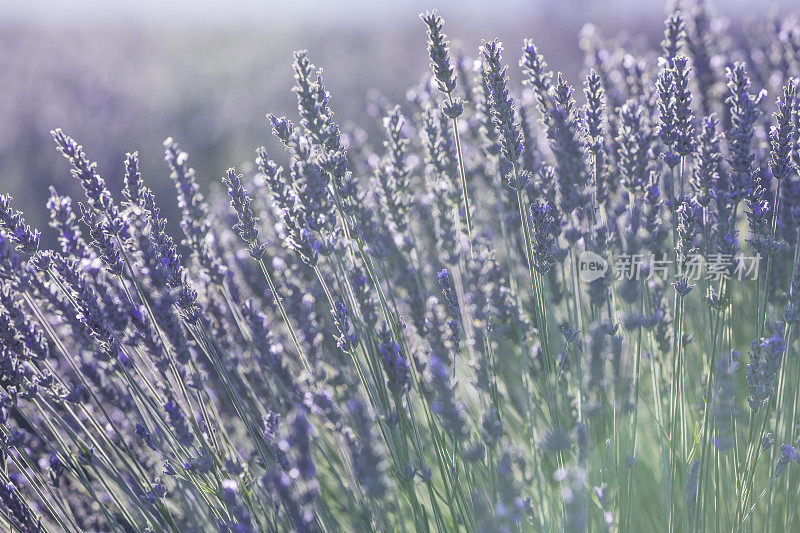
(123, 77)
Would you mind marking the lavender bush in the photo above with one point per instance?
(523, 309)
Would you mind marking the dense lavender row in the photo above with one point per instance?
(515, 312)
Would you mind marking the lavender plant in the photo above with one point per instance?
(513, 311)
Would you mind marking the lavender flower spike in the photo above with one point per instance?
(26, 238)
(744, 111)
(97, 193)
(439, 52)
(501, 103)
(240, 201)
(782, 135)
(765, 363)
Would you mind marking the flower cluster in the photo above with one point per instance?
(420, 331)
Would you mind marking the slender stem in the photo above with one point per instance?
(462, 174)
(278, 301)
(699, 508)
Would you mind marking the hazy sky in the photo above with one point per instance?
(178, 12)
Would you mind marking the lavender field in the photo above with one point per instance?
(461, 288)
